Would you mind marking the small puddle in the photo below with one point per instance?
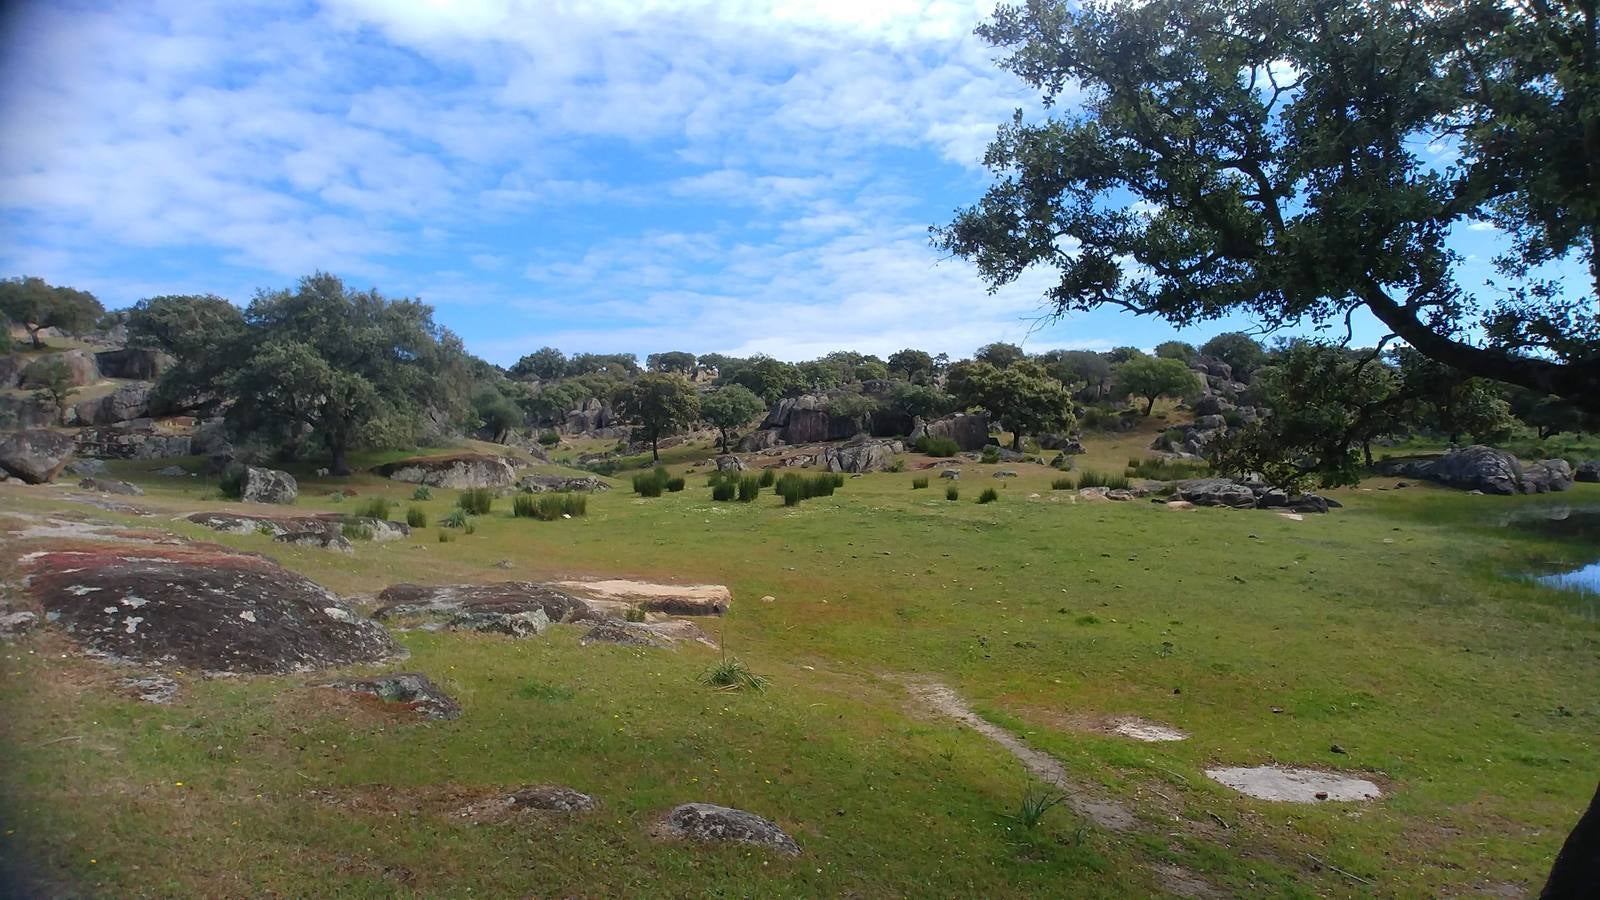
(1571, 522)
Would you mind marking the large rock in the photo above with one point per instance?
(199, 606)
(132, 363)
(11, 367)
(970, 431)
(28, 411)
(411, 689)
(35, 456)
(761, 439)
(460, 471)
(1066, 444)
(1481, 468)
(721, 825)
(449, 601)
(267, 486)
(727, 462)
(78, 364)
(809, 426)
(859, 456)
(132, 443)
(593, 416)
(321, 540)
(527, 624)
(329, 524)
(127, 402)
(1588, 471)
(617, 595)
(539, 484)
(1215, 492)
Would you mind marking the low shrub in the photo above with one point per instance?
(652, 483)
(423, 492)
(476, 501)
(991, 454)
(937, 446)
(231, 483)
(989, 495)
(376, 508)
(1118, 482)
(898, 465)
(549, 438)
(417, 517)
(1158, 469)
(768, 476)
(749, 488)
(455, 518)
(952, 493)
(919, 482)
(732, 674)
(723, 490)
(1090, 478)
(1061, 484)
(356, 531)
(445, 537)
(674, 485)
(523, 506)
(1061, 462)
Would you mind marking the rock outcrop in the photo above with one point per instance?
(111, 486)
(321, 540)
(539, 484)
(130, 362)
(1481, 468)
(411, 689)
(78, 365)
(970, 431)
(267, 486)
(530, 623)
(460, 471)
(727, 462)
(199, 606)
(860, 455)
(132, 443)
(721, 825)
(126, 403)
(616, 596)
(331, 524)
(1244, 495)
(35, 455)
(447, 602)
(1588, 471)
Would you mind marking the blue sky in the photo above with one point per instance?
(607, 175)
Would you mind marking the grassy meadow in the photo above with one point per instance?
(1396, 629)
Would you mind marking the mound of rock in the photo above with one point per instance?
(619, 633)
(36, 455)
(616, 595)
(327, 524)
(321, 540)
(551, 798)
(412, 689)
(970, 431)
(1588, 471)
(130, 362)
(459, 471)
(1481, 468)
(1247, 495)
(199, 606)
(448, 602)
(111, 486)
(727, 462)
(721, 825)
(118, 442)
(859, 455)
(267, 486)
(127, 402)
(78, 365)
(511, 624)
(540, 484)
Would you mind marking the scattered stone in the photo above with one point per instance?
(859, 455)
(150, 688)
(768, 598)
(199, 606)
(551, 798)
(35, 455)
(1004, 473)
(1120, 494)
(267, 486)
(1093, 493)
(16, 624)
(722, 825)
(619, 633)
(461, 471)
(445, 602)
(952, 474)
(1294, 785)
(86, 468)
(616, 595)
(727, 462)
(1149, 732)
(512, 624)
(108, 486)
(322, 540)
(1179, 504)
(410, 688)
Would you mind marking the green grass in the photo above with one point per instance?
(920, 482)
(477, 501)
(1388, 628)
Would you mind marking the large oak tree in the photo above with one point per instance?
(1272, 158)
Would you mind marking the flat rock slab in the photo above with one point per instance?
(150, 688)
(518, 625)
(709, 823)
(449, 601)
(1149, 732)
(617, 594)
(329, 524)
(412, 689)
(199, 606)
(461, 471)
(1294, 785)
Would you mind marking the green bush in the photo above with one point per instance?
(674, 485)
(445, 537)
(476, 501)
(549, 438)
(455, 518)
(231, 484)
(356, 531)
(1090, 478)
(768, 476)
(723, 490)
(937, 446)
(423, 492)
(733, 675)
(989, 495)
(652, 483)
(523, 506)
(1158, 469)
(919, 482)
(376, 507)
(1061, 484)
(991, 454)
(1117, 482)
(792, 488)
(574, 504)
(898, 465)
(952, 493)
(417, 517)
(749, 488)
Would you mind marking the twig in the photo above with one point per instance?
(1218, 818)
(70, 737)
(1350, 875)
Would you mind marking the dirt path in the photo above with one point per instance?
(1103, 812)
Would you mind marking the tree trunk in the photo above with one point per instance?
(655, 451)
(1149, 405)
(724, 439)
(1577, 867)
(1016, 441)
(33, 335)
(1366, 452)
(339, 465)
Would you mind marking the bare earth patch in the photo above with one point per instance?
(1149, 732)
(1294, 785)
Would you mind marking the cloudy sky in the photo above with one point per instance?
(604, 175)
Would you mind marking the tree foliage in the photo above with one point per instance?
(1152, 377)
(767, 378)
(35, 304)
(546, 363)
(1266, 157)
(911, 365)
(658, 402)
(999, 354)
(1023, 398)
(1243, 353)
(729, 408)
(672, 361)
